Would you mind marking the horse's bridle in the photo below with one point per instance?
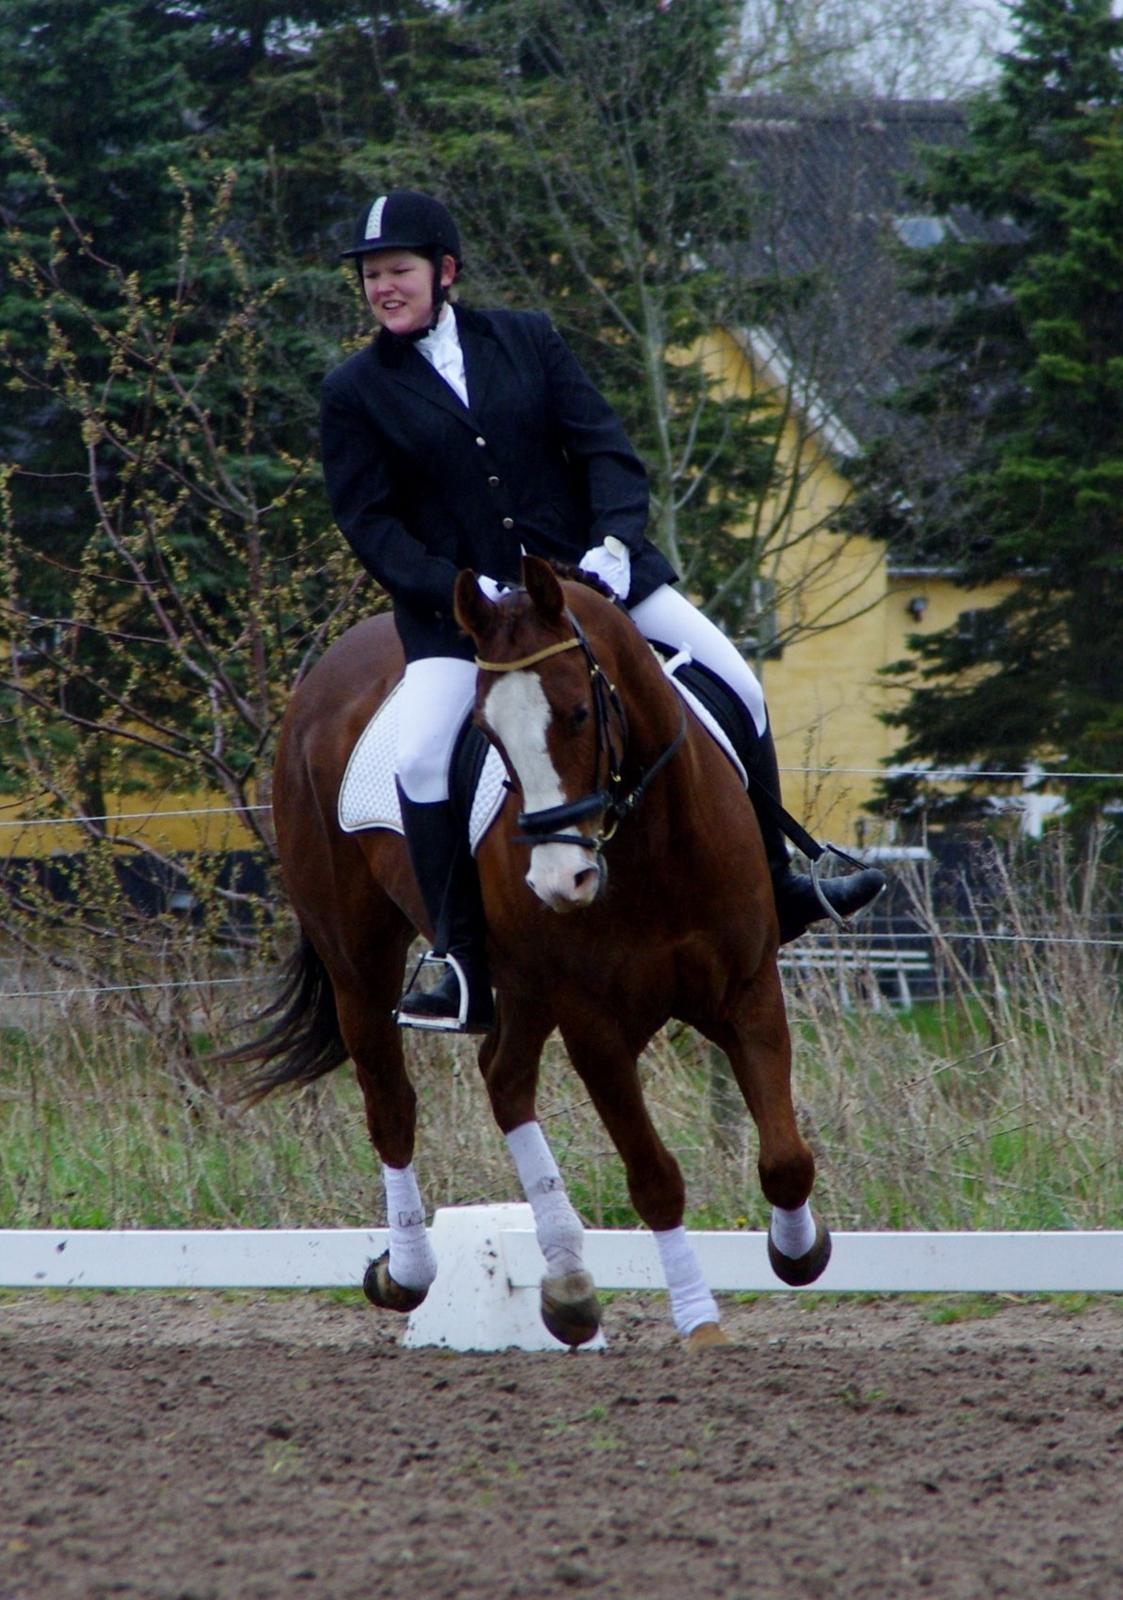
(611, 801)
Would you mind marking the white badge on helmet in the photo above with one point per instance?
(374, 219)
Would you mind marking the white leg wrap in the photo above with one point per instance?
(793, 1232)
(692, 1304)
(412, 1262)
(556, 1223)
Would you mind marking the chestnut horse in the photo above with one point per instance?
(624, 884)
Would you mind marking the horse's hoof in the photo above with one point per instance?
(801, 1270)
(570, 1308)
(706, 1336)
(381, 1290)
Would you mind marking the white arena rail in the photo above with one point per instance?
(486, 1293)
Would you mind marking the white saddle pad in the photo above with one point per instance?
(368, 796)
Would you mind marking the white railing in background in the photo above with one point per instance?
(486, 1293)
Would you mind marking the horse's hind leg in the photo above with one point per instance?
(399, 1280)
(756, 1039)
(606, 1064)
(509, 1063)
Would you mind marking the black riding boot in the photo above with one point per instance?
(797, 904)
(446, 875)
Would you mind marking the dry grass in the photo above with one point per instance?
(996, 1105)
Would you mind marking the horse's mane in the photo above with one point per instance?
(589, 580)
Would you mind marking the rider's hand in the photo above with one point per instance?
(612, 564)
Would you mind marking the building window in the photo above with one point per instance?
(920, 233)
(980, 629)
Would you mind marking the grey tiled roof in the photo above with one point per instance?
(829, 178)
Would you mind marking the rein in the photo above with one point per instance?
(610, 802)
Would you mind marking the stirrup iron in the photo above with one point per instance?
(815, 867)
(456, 1024)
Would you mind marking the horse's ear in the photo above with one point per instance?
(471, 607)
(542, 586)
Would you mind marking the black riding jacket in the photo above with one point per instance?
(423, 486)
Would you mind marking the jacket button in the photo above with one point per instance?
(508, 522)
(480, 440)
(493, 483)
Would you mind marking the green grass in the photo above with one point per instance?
(945, 1310)
(106, 1137)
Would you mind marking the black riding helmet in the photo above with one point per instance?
(405, 219)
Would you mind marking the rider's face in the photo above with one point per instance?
(399, 288)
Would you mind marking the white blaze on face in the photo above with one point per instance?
(563, 876)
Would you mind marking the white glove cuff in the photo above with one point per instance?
(612, 564)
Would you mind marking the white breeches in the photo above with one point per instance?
(435, 697)
(437, 693)
(669, 618)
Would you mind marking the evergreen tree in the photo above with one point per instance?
(1023, 395)
(162, 581)
(93, 98)
(94, 101)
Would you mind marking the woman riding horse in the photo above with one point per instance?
(464, 439)
(674, 919)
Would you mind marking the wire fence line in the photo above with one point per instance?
(855, 941)
(858, 942)
(932, 774)
(72, 991)
(82, 820)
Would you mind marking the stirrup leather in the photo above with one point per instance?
(457, 1024)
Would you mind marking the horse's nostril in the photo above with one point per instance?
(583, 878)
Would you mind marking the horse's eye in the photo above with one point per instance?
(578, 718)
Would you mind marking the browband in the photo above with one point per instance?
(531, 660)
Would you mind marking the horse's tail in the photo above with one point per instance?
(304, 1042)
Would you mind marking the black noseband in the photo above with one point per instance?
(540, 827)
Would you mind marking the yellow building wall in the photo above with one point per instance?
(171, 823)
(825, 693)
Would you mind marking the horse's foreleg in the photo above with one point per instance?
(509, 1062)
(607, 1067)
(756, 1038)
(570, 1308)
(557, 1225)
